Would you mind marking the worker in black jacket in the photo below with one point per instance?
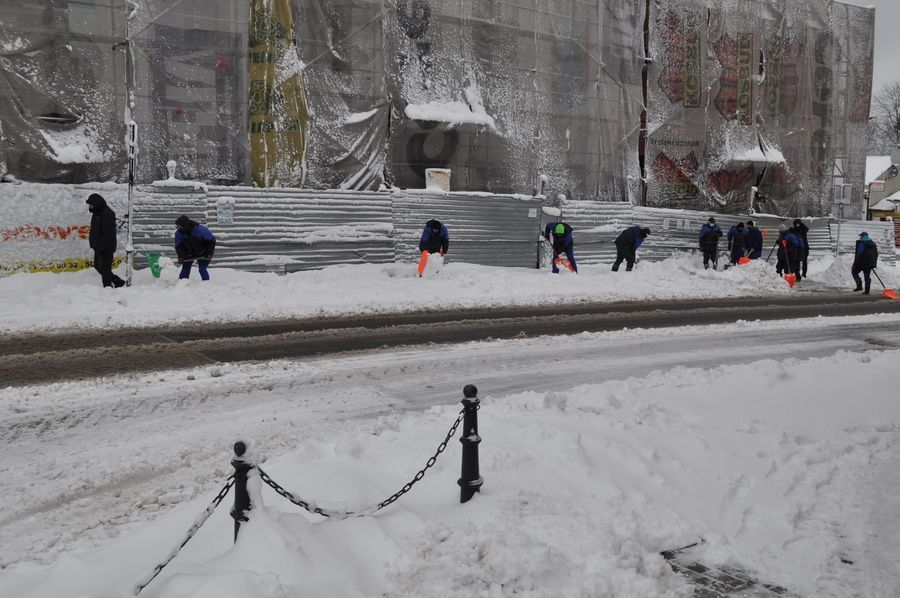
(627, 244)
(102, 239)
(801, 230)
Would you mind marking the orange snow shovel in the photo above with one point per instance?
(743, 260)
(423, 262)
(563, 262)
(789, 277)
(889, 293)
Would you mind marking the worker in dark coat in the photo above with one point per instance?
(102, 239)
(435, 238)
(789, 246)
(737, 240)
(710, 233)
(193, 241)
(864, 260)
(801, 231)
(627, 244)
(560, 235)
(754, 243)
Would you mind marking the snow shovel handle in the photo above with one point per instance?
(879, 278)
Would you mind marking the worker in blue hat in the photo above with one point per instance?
(864, 260)
(560, 235)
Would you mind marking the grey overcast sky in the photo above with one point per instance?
(887, 40)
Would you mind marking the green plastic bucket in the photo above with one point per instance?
(153, 262)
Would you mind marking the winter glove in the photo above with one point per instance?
(209, 257)
(442, 254)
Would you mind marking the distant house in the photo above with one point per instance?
(883, 186)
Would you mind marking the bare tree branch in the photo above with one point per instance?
(885, 123)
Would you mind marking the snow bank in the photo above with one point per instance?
(583, 488)
(59, 300)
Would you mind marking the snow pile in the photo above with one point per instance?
(452, 113)
(76, 146)
(583, 488)
(836, 272)
(756, 154)
(56, 300)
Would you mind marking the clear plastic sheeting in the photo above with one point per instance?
(531, 76)
(736, 95)
(61, 91)
(192, 88)
(769, 95)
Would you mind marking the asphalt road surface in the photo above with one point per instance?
(34, 358)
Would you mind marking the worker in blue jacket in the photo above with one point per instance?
(710, 233)
(789, 248)
(627, 244)
(754, 243)
(435, 238)
(560, 235)
(193, 241)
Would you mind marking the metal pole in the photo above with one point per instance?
(470, 481)
(837, 245)
(242, 504)
(129, 246)
(130, 144)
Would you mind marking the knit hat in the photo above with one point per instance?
(864, 235)
(560, 229)
(782, 228)
(183, 222)
(711, 220)
(751, 223)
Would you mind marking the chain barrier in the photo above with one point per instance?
(375, 508)
(198, 523)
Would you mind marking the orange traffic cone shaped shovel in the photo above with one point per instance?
(423, 262)
(743, 260)
(889, 293)
(791, 279)
(563, 262)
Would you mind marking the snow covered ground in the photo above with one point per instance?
(599, 450)
(782, 467)
(48, 301)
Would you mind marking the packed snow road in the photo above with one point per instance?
(94, 458)
(31, 358)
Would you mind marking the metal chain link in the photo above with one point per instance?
(198, 523)
(373, 509)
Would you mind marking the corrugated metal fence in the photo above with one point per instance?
(289, 230)
(488, 229)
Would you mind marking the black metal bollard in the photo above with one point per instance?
(242, 504)
(470, 481)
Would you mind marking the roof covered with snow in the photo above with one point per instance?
(887, 204)
(875, 165)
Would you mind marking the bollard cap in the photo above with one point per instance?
(245, 452)
(470, 392)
